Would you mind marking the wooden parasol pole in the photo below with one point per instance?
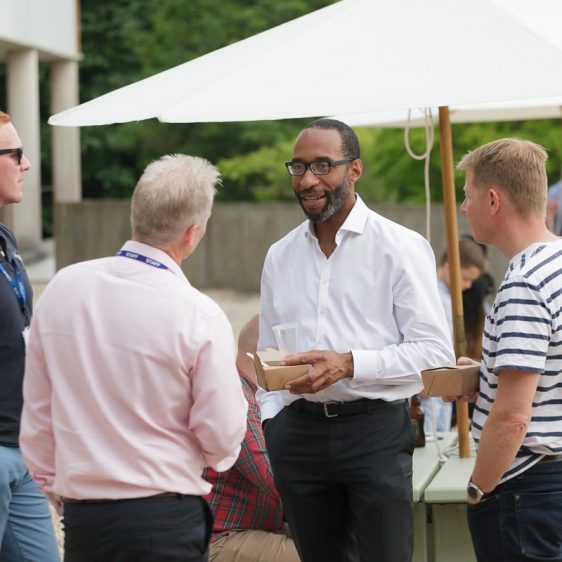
(450, 207)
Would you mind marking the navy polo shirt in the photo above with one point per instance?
(12, 347)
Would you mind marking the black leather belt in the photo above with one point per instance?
(162, 495)
(336, 409)
(551, 458)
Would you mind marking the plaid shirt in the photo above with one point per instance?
(245, 497)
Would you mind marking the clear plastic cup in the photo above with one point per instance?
(287, 338)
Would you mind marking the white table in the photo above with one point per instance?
(448, 536)
(425, 466)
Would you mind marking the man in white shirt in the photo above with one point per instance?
(364, 294)
(131, 387)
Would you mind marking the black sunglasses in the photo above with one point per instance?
(17, 151)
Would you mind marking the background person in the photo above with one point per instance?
(363, 292)
(472, 262)
(554, 208)
(515, 491)
(475, 307)
(26, 531)
(247, 509)
(131, 386)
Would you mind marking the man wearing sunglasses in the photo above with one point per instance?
(26, 531)
(363, 292)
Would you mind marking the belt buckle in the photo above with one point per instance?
(326, 413)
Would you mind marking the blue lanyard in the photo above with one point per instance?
(17, 286)
(143, 259)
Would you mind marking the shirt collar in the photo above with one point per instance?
(355, 221)
(357, 218)
(155, 254)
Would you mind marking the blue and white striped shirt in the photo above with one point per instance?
(524, 332)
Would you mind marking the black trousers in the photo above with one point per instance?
(157, 529)
(346, 482)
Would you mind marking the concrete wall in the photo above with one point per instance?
(32, 31)
(50, 26)
(238, 236)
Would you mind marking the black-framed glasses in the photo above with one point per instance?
(318, 168)
(17, 151)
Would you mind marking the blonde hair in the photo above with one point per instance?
(516, 166)
(174, 193)
(4, 118)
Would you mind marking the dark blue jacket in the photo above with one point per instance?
(12, 348)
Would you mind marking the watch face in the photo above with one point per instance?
(472, 492)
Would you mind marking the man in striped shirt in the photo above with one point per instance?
(515, 492)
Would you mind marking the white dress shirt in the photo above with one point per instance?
(445, 295)
(131, 387)
(375, 296)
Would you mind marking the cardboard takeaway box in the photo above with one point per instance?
(451, 381)
(271, 375)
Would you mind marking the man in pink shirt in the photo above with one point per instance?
(131, 386)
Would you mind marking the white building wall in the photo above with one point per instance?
(33, 31)
(49, 26)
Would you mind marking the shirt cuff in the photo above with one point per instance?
(369, 369)
(364, 367)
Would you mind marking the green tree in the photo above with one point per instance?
(128, 40)
(389, 173)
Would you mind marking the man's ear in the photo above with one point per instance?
(495, 197)
(190, 236)
(355, 170)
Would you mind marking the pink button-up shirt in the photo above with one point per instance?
(130, 387)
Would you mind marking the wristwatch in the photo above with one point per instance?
(474, 492)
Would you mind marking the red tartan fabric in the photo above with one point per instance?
(245, 496)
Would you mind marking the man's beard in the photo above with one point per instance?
(335, 200)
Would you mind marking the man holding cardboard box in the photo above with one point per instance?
(363, 293)
(515, 492)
